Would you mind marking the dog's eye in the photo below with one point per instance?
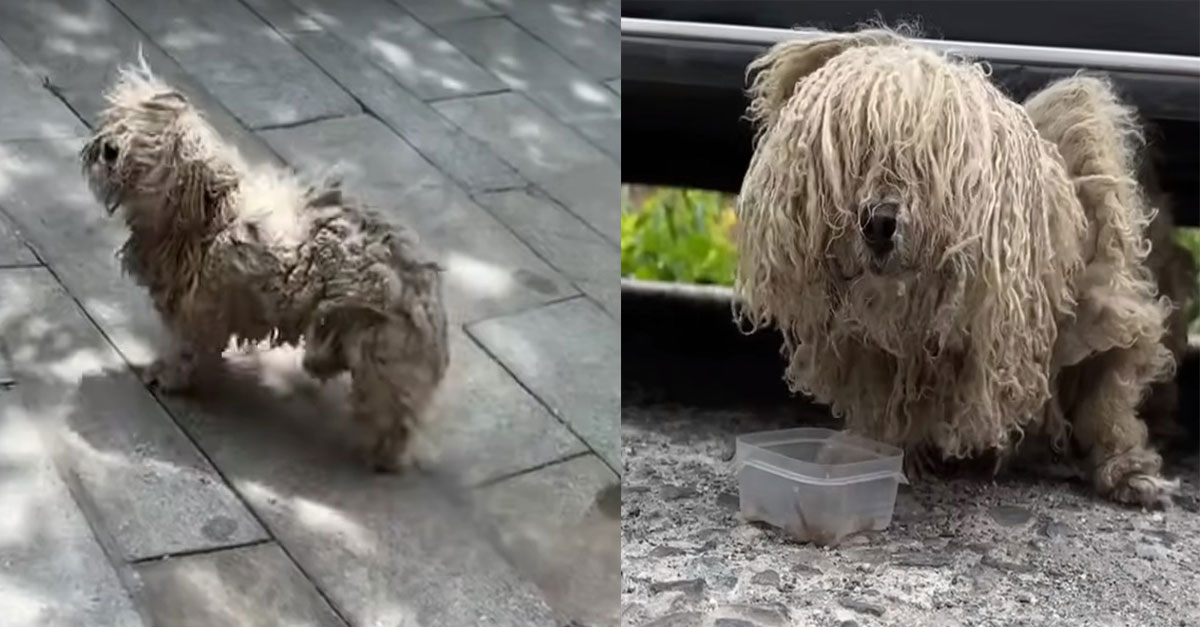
(110, 152)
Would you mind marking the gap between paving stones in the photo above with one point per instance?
(553, 412)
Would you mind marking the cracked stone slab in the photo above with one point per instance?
(531, 67)
(561, 526)
(615, 85)
(488, 270)
(253, 585)
(152, 489)
(579, 31)
(78, 45)
(54, 570)
(486, 425)
(424, 63)
(561, 239)
(13, 251)
(248, 66)
(454, 152)
(569, 355)
(27, 109)
(570, 169)
(385, 549)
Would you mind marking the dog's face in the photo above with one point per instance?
(151, 154)
(897, 199)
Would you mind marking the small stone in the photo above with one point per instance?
(862, 607)
(732, 622)
(848, 623)
(1010, 515)
(767, 578)
(1004, 565)
(1025, 597)
(679, 619)
(665, 551)
(1148, 551)
(804, 569)
(1054, 529)
(729, 500)
(924, 560)
(674, 493)
(1166, 537)
(773, 615)
(690, 587)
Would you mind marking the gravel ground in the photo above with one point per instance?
(960, 551)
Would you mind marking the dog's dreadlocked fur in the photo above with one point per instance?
(233, 252)
(1017, 300)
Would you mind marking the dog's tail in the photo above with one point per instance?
(777, 72)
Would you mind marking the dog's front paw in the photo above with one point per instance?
(1133, 478)
(169, 375)
(390, 453)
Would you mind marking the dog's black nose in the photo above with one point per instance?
(878, 224)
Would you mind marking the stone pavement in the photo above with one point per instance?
(490, 126)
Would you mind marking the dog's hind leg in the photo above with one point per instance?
(393, 385)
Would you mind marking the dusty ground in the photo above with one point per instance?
(964, 551)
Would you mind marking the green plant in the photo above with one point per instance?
(678, 235)
(1189, 238)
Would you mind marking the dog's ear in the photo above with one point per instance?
(778, 71)
(202, 190)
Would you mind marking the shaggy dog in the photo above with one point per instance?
(953, 272)
(233, 252)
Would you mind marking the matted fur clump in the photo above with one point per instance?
(233, 252)
(954, 272)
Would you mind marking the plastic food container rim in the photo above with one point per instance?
(779, 463)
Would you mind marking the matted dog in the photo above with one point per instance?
(954, 272)
(234, 252)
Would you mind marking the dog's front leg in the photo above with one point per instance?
(175, 372)
(1124, 466)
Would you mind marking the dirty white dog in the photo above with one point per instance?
(233, 252)
(954, 272)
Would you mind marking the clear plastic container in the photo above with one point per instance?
(818, 485)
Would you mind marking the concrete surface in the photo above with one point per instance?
(1019, 550)
(245, 503)
(252, 585)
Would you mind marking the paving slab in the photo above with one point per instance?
(547, 152)
(604, 133)
(385, 549)
(561, 525)
(242, 61)
(454, 152)
(580, 31)
(28, 110)
(439, 11)
(13, 251)
(423, 62)
(559, 237)
(569, 355)
(486, 425)
(253, 585)
(489, 271)
(53, 571)
(152, 489)
(78, 45)
(531, 67)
